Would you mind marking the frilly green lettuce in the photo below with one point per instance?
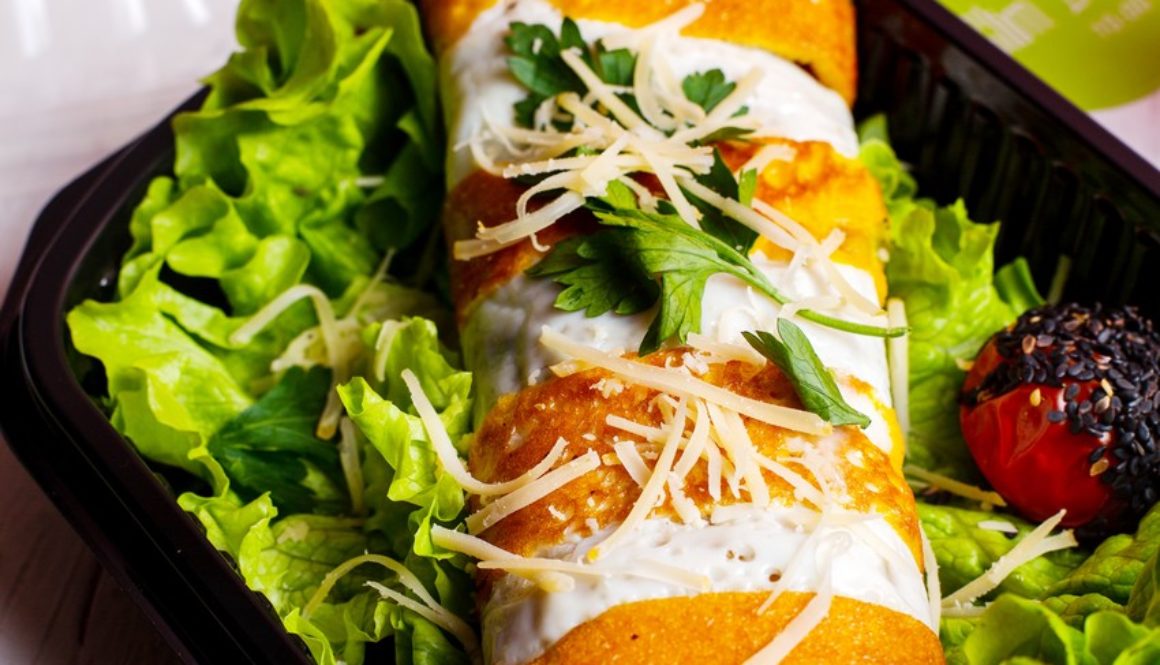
(942, 266)
(316, 151)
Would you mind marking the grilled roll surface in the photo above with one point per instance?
(714, 530)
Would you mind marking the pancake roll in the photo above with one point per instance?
(649, 482)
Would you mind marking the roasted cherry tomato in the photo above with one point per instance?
(1062, 411)
(1037, 465)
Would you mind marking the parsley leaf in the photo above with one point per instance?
(620, 268)
(271, 447)
(707, 89)
(600, 275)
(747, 186)
(536, 61)
(615, 67)
(814, 384)
(681, 259)
(643, 260)
(713, 221)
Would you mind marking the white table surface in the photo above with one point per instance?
(78, 79)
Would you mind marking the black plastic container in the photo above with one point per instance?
(1083, 208)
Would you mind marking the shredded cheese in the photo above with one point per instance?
(768, 154)
(559, 573)
(348, 457)
(532, 223)
(327, 324)
(686, 509)
(1031, 546)
(724, 351)
(632, 462)
(898, 355)
(1002, 526)
(653, 490)
(743, 214)
(733, 437)
(550, 580)
(933, 590)
(444, 619)
(804, 623)
(632, 427)
(803, 489)
(406, 578)
(695, 447)
(956, 487)
(525, 496)
(681, 383)
(449, 457)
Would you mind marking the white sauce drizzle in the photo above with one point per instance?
(501, 337)
(741, 554)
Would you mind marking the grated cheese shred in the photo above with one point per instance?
(677, 382)
(653, 490)
(956, 487)
(1033, 545)
(449, 457)
(535, 490)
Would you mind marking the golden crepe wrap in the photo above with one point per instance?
(819, 188)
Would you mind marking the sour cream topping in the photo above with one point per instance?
(478, 86)
(748, 553)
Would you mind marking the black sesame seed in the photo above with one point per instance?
(1116, 352)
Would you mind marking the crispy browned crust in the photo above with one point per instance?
(724, 628)
(817, 34)
(521, 429)
(819, 188)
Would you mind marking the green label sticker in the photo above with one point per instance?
(1098, 53)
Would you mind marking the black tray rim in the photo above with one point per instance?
(31, 319)
(1050, 102)
(36, 363)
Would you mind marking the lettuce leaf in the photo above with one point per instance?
(965, 551)
(1115, 566)
(168, 393)
(317, 150)
(271, 447)
(1102, 611)
(1017, 630)
(942, 266)
(286, 558)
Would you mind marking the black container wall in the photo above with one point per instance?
(1080, 206)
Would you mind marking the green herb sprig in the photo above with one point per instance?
(644, 259)
(536, 63)
(621, 267)
(815, 386)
